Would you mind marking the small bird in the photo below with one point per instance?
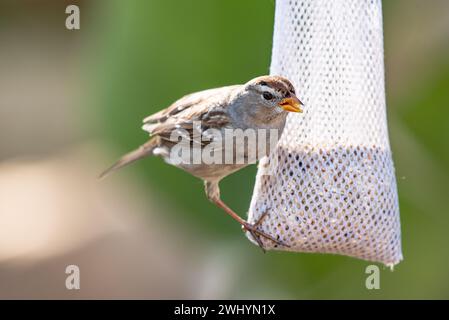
(260, 104)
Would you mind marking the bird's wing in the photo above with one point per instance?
(197, 111)
(197, 98)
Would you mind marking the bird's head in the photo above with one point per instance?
(274, 94)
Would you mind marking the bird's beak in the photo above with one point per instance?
(291, 104)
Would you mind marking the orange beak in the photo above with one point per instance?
(291, 104)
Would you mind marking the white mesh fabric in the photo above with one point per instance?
(330, 185)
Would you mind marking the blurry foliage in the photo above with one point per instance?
(426, 113)
(149, 53)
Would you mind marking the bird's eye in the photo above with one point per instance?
(267, 96)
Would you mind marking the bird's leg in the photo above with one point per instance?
(213, 193)
(245, 225)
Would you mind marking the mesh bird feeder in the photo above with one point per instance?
(329, 186)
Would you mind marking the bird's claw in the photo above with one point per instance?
(256, 233)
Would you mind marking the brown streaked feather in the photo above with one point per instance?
(194, 99)
(143, 151)
(207, 107)
(207, 119)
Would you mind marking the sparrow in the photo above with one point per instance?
(260, 104)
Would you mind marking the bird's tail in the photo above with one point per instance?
(141, 152)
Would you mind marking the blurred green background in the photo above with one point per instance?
(132, 58)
